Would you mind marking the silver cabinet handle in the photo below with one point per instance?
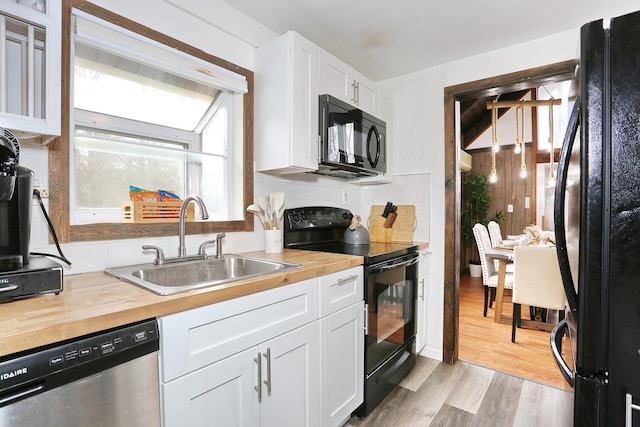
(347, 279)
(366, 319)
(267, 382)
(258, 387)
(355, 85)
(422, 289)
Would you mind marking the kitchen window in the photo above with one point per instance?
(141, 120)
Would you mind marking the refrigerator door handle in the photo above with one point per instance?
(559, 209)
(557, 334)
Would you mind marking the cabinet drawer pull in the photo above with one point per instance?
(347, 279)
(267, 382)
(258, 387)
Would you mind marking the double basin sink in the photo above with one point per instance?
(188, 275)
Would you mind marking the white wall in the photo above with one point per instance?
(418, 118)
(222, 31)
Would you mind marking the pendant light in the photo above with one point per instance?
(523, 163)
(493, 177)
(517, 149)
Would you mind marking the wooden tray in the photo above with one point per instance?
(403, 227)
(147, 212)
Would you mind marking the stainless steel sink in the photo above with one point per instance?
(188, 275)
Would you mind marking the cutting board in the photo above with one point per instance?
(402, 230)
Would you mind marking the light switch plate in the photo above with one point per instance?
(510, 208)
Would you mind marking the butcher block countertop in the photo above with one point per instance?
(93, 302)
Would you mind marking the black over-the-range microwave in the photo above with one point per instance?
(352, 142)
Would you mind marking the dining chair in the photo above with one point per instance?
(489, 270)
(536, 282)
(496, 241)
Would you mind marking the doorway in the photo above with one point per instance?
(493, 86)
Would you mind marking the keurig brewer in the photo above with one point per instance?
(16, 188)
(20, 274)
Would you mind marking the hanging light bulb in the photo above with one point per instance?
(523, 163)
(493, 176)
(517, 148)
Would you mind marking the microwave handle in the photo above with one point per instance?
(373, 130)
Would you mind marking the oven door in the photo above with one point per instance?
(391, 307)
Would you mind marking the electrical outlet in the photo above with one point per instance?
(44, 193)
(527, 203)
(345, 197)
(510, 208)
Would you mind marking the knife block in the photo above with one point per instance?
(403, 227)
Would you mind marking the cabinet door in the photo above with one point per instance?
(421, 308)
(342, 344)
(335, 78)
(286, 105)
(291, 379)
(366, 94)
(31, 38)
(221, 394)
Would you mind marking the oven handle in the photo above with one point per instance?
(406, 261)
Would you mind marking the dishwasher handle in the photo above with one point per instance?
(21, 393)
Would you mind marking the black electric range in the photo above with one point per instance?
(390, 289)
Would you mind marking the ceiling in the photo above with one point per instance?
(384, 39)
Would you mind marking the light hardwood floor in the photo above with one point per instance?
(495, 382)
(486, 343)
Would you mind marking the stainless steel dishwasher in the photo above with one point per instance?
(109, 378)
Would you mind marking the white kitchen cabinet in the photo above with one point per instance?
(286, 105)
(342, 354)
(340, 80)
(227, 390)
(421, 306)
(291, 379)
(223, 391)
(262, 359)
(341, 344)
(30, 70)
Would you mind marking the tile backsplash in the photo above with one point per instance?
(300, 190)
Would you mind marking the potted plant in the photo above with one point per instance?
(477, 200)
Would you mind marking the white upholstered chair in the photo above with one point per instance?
(496, 240)
(536, 282)
(489, 270)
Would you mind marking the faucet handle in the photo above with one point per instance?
(217, 241)
(203, 247)
(159, 254)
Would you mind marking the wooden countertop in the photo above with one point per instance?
(93, 302)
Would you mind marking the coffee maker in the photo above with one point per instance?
(16, 188)
(20, 274)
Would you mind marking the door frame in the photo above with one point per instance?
(491, 86)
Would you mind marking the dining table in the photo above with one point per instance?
(504, 255)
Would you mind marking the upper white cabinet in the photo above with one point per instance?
(30, 66)
(342, 81)
(286, 105)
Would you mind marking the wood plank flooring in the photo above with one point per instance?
(486, 343)
(495, 382)
(464, 394)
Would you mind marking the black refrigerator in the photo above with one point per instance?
(597, 225)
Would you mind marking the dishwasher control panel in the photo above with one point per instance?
(59, 363)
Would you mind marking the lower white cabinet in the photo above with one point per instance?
(421, 306)
(289, 356)
(342, 350)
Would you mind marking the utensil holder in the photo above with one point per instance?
(273, 241)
